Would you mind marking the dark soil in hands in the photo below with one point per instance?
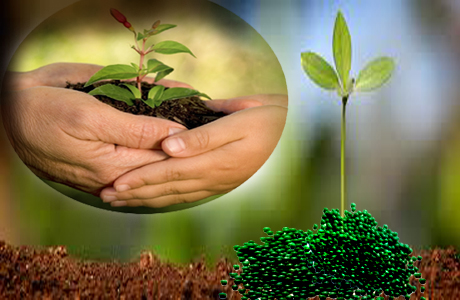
(190, 112)
(30, 273)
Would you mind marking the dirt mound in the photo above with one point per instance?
(30, 273)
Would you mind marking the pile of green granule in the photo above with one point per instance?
(345, 258)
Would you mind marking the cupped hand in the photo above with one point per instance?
(208, 160)
(72, 138)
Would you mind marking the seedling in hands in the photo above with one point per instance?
(374, 75)
(158, 93)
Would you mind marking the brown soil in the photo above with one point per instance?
(190, 112)
(29, 273)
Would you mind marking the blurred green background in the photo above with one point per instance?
(403, 140)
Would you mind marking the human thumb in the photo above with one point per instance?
(205, 138)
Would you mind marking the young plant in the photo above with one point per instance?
(348, 256)
(374, 75)
(158, 93)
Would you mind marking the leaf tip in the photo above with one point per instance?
(339, 17)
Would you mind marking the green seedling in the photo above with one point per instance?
(347, 256)
(158, 93)
(374, 75)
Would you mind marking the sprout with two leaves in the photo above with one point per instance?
(158, 93)
(374, 75)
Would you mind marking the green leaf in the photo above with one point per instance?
(319, 71)
(116, 72)
(171, 47)
(204, 95)
(156, 92)
(114, 92)
(134, 90)
(162, 74)
(135, 66)
(342, 49)
(153, 103)
(154, 65)
(375, 74)
(140, 36)
(159, 94)
(163, 27)
(178, 92)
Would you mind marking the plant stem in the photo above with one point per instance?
(342, 155)
(141, 62)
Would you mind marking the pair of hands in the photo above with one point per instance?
(71, 138)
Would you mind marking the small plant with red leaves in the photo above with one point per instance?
(158, 93)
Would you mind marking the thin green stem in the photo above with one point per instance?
(342, 155)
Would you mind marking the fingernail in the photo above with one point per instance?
(122, 188)
(174, 130)
(175, 145)
(108, 198)
(118, 203)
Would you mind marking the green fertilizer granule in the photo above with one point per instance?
(343, 258)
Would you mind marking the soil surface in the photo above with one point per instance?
(190, 112)
(31, 273)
